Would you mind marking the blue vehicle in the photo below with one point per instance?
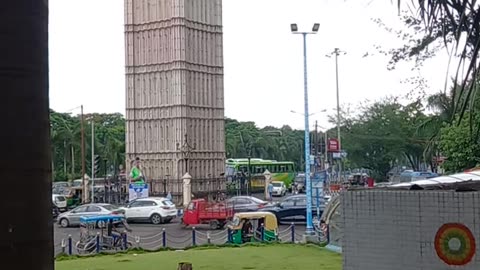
(111, 239)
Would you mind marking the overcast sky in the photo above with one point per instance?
(263, 60)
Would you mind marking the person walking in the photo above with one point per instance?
(270, 191)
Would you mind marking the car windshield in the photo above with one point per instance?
(60, 198)
(77, 183)
(258, 201)
(167, 202)
(277, 184)
(300, 179)
(109, 207)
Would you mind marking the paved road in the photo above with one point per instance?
(177, 236)
(150, 236)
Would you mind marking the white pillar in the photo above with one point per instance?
(187, 189)
(268, 177)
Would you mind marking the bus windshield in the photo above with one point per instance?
(283, 171)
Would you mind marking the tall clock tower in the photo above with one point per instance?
(174, 87)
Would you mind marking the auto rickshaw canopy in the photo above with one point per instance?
(270, 220)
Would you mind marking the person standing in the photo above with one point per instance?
(136, 174)
(270, 191)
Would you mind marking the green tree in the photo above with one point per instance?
(66, 142)
(245, 138)
(461, 150)
(383, 135)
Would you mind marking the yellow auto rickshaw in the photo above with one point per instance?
(253, 227)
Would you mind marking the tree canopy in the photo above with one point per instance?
(451, 25)
(66, 142)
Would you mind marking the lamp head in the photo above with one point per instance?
(293, 27)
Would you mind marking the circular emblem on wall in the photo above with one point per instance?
(455, 244)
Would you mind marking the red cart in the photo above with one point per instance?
(200, 211)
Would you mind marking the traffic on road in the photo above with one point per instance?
(154, 222)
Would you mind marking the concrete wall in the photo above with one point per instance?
(388, 230)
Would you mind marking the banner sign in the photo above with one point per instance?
(333, 145)
(318, 179)
(137, 191)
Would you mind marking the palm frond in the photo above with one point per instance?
(456, 21)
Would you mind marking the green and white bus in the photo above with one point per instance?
(280, 170)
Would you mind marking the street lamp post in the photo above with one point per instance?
(186, 150)
(294, 29)
(92, 198)
(315, 134)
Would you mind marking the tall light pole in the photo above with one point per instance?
(316, 138)
(294, 28)
(337, 52)
(92, 199)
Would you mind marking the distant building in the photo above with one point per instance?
(174, 87)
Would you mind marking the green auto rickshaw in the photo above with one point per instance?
(253, 227)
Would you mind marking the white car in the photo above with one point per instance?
(153, 209)
(72, 217)
(279, 188)
(60, 201)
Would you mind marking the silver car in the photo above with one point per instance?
(72, 217)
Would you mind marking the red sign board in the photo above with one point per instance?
(333, 145)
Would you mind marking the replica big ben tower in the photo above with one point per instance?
(174, 87)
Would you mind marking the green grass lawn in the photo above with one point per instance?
(262, 257)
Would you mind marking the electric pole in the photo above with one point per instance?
(338, 117)
(326, 149)
(82, 132)
(337, 52)
(316, 142)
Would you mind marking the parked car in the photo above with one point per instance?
(246, 204)
(279, 188)
(294, 208)
(72, 218)
(63, 184)
(60, 201)
(156, 210)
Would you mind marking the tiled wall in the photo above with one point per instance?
(389, 230)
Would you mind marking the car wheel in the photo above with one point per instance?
(156, 219)
(64, 223)
(214, 224)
